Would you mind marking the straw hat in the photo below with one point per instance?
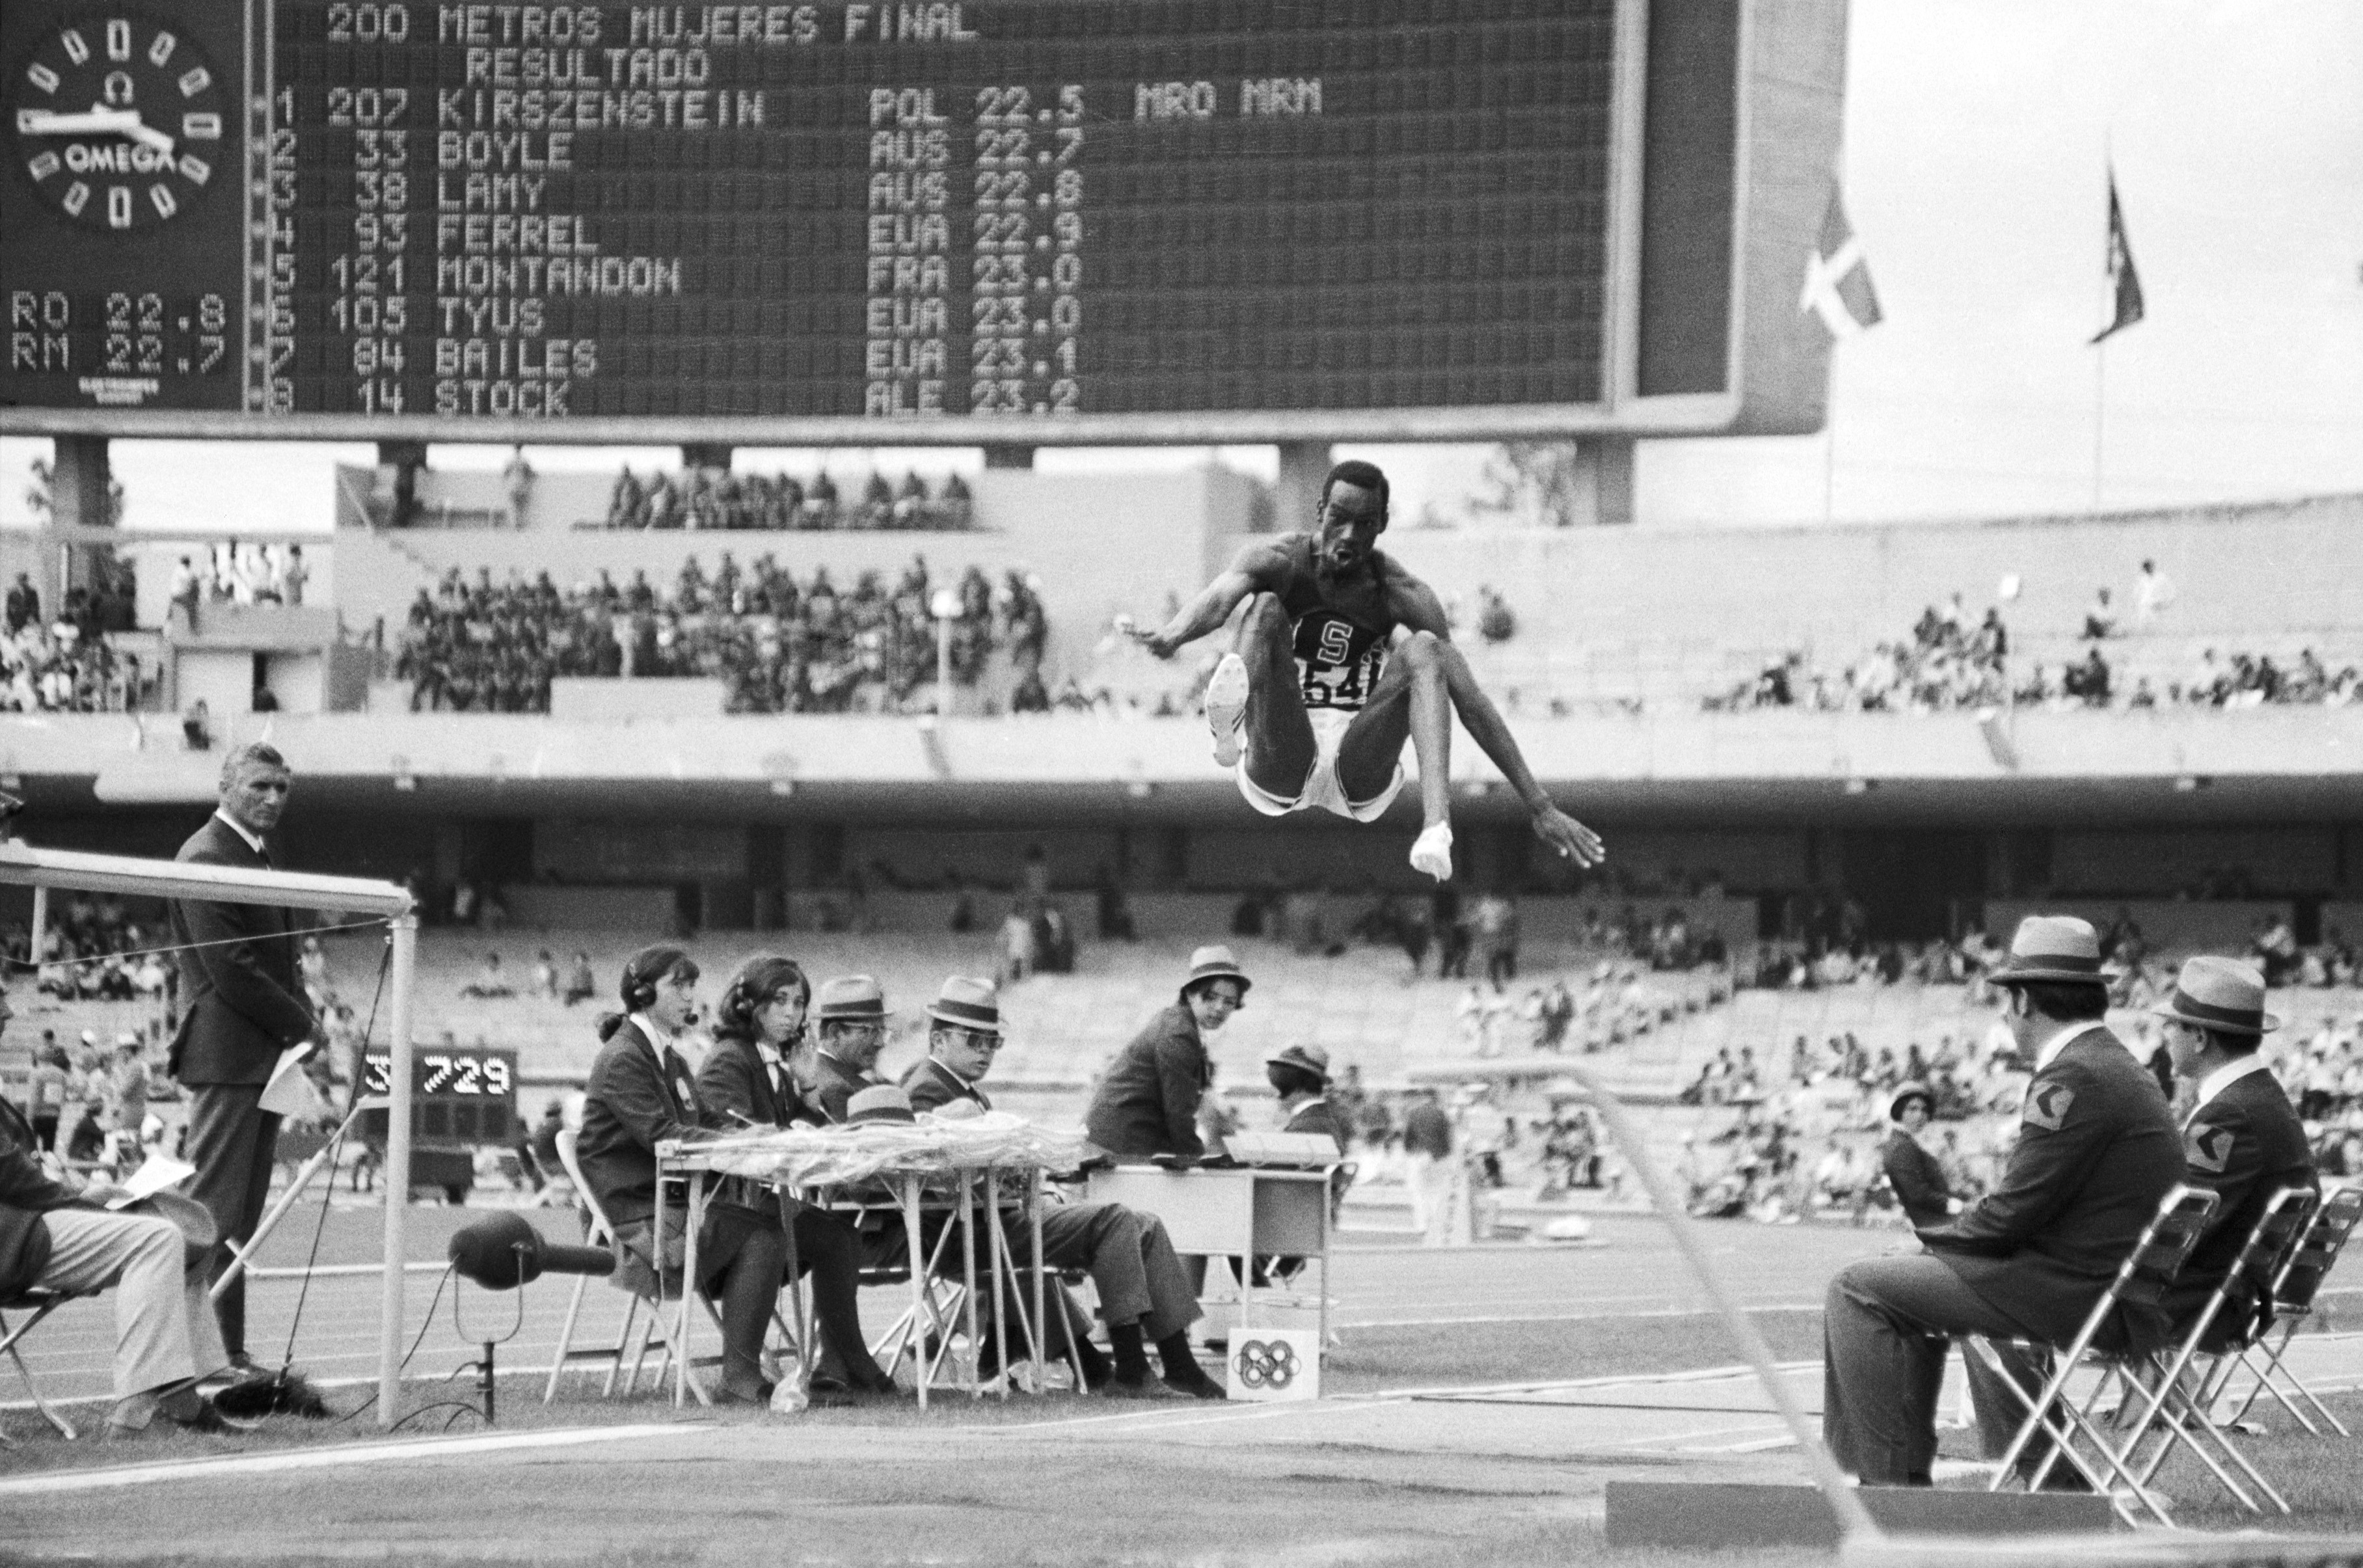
(967, 1003)
(1216, 963)
(880, 1102)
(2220, 993)
(2059, 948)
(849, 999)
(1309, 1058)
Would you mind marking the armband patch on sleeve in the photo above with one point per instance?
(2208, 1148)
(2046, 1105)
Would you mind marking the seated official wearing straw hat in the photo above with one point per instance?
(1298, 1074)
(1147, 1105)
(1146, 1296)
(2097, 1148)
(849, 1016)
(2242, 1141)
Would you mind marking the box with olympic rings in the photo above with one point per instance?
(1270, 1365)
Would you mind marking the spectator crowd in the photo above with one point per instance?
(781, 645)
(717, 498)
(64, 663)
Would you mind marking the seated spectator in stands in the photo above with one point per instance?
(580, 985)
(490, 981)
(1918, 1179)
(1497, 622)
(2100, 618)
(196, 727)
(545, 976)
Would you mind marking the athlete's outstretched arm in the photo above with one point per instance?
(1256, 568)
(1418, 606)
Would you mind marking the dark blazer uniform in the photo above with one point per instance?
(238, 982)
(2097, 1149)
(1318, 1116)
(2244, 1145)
(1917, 1178)
(636, 1100)
(838, 1084)
(932, 1086)
(738, 1087)
(244, 1007)
(735, 1087)
(1148, 1103)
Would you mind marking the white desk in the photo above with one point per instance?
(1244, 1213)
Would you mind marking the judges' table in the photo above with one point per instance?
(951, 1167)
(1247, 1212)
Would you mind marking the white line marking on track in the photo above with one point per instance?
(326, 1458)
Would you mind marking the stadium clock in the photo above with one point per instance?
(117, 120)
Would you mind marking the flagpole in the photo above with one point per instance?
(2100, 360)
(2099, 412)
(2108, 301)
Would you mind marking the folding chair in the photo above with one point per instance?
(2142, 1279)
(645, 1288)
(2294, 1288)
(2179, 1416)
(36, 1304)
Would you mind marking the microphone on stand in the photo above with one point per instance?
(504, 1253)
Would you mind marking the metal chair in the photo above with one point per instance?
(645, 1288)
(2179, 1415)
(36, 1304)
(2294, 1288)
(2141, 1279)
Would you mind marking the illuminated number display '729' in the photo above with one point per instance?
(482, 1071)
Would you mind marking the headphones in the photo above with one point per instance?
(639, 995)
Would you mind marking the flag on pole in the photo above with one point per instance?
(1837, 280)
(2124, 284)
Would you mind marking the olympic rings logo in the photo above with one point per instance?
(1261, 1365)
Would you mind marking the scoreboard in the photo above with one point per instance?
(1025, 221)
(461, 1095)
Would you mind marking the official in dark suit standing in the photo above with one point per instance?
(2097, 1149)
(1918, 1180)
(245, 1006)
(1147, 1102)
(640, 1095)
(2241, 1140)
(746, 1081)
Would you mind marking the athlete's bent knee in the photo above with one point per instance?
(1424, 651)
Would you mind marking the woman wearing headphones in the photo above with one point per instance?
(749, 1081)
(641, 1094)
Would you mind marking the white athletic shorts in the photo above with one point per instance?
(1321, 786)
